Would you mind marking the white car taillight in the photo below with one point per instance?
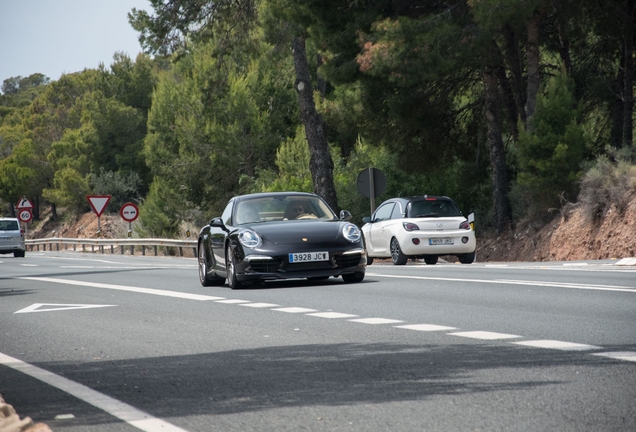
(464, 225)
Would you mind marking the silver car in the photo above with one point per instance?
(11, 237)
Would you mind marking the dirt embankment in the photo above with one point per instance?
(568, 237)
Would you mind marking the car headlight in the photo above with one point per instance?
(249, 239)
(351, 233)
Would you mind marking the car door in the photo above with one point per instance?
(378, 230)
(217, 240)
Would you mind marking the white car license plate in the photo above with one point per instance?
(308, 257)
(440, 241)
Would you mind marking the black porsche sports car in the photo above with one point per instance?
(279, 235)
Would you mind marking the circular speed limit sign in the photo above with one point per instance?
(129, 212)
(25, 215)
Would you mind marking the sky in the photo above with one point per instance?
(53, 37)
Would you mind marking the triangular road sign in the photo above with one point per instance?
(24, 203)
(57, 307)
(98, 203)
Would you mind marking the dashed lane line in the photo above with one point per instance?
(375, 321)
(619, 355)
(559, 345)
(484, 335)
(114, 407)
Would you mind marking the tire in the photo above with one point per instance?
(18, 254)
(353, 277)
(232, 281)
(397, 256)
(431, 260)
(468, 258)
(369, 260)
(204, 277)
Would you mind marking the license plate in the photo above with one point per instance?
(5, 238)
(440, 241)
(308, 257)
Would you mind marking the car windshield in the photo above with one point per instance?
(281, 208)
(9, 225)
(432, 208)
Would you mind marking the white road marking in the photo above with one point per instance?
(375, 321)
(559, 345)
(331, 315)
(619, 355)
(158, 292)
(485, 335)
(334, 315)
(64, 416)
(517, 282)
(121, 410)
(28, 265)
(260, 305)
(425, 327)
(232, 301)
(57, 307)
(295, 310)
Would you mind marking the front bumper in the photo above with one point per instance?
(260, 266)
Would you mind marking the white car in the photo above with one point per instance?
(11, 237)
(418, 227)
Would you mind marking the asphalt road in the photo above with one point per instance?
(100, 343)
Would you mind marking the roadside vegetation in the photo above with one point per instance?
(514, 112)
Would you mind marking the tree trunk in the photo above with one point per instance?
(532, 56)
(36, 208)
(628, 84)
(516, 70)
(320, 162)
(616, 107)
(53, 212)
(501, 200)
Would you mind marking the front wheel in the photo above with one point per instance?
(353, 277)
(468, 258)
(232, 281)
(18, 254)
(397, 256)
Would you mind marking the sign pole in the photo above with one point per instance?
(372, 189)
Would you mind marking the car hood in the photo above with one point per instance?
(293, 232)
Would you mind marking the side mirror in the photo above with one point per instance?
(366, 219)
(217, 222)
(345, 215)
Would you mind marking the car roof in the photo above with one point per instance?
(9, 218)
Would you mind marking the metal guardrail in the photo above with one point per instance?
(122, 244)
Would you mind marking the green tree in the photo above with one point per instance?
(550, 156)
(228, 22)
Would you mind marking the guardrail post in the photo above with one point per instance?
(83, 248)
(101, 249)
(122, 249)
(74, 247)
(112, 249)
(132, 249)
(155, 250)
(92, 248)
(180, 251)
(143, 250)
